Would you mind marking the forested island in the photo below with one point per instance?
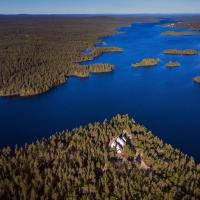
(100, 68)
(35, 59)
(188, 52)
(84, 71)
(147, 62)
(176, 33)
(171, 64)
(116, 159)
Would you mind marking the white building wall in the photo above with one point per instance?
(113, 144)
(120, 141)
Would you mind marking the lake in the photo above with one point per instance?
(166, 101)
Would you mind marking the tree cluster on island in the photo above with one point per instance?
(147, 62)
(188, 52)
(84, 71)
(150, 62)
(171, 64)
(80, 164)
(177, 33)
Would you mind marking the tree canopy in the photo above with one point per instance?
(80, 164)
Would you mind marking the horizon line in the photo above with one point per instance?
(191, 13)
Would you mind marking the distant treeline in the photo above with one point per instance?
(81, 165)
(38, 51)
(188, 21)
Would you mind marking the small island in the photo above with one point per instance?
(173, 64)
(147, 62)
(100, 68)
(176, 33)
(84, 71)
(197, 79)
(188, 52)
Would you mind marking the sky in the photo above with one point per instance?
(98, 6)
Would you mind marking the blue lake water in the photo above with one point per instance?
(164, 100)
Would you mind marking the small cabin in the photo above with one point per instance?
(119, 142)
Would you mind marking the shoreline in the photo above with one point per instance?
(96, 53)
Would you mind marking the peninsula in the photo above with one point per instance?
(91, 161)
